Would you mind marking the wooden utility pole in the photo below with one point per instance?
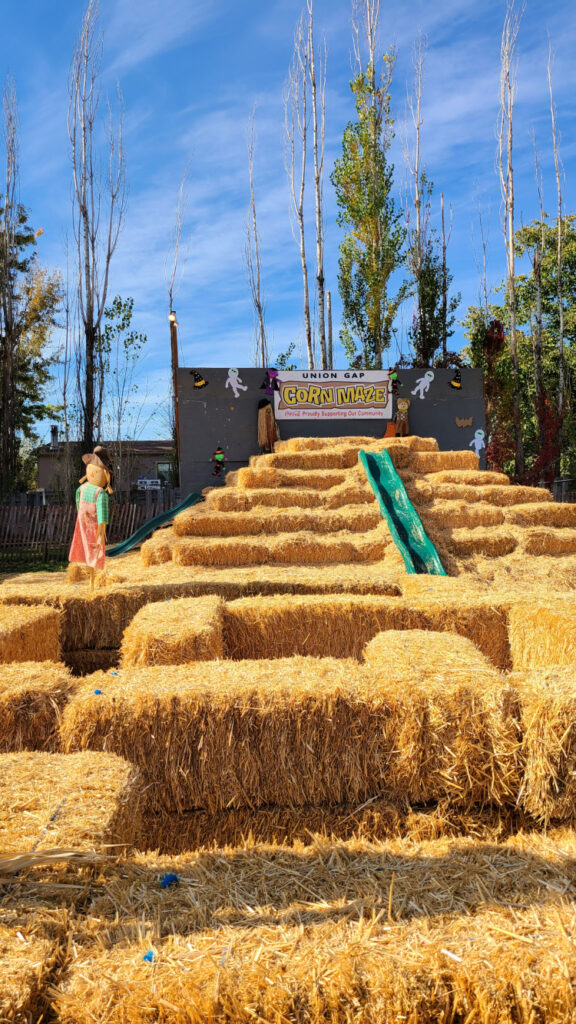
(174, 352)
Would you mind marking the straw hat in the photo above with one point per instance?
(100, 457)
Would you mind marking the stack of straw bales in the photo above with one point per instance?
(354, 491)
(435, 462)
(303, 731)
(211, 523)
(29, 633)
(547, 513)
(32, 695)
(175, 632)
(340, 625)
(256, 476)
(299, 548)
(543, 632)
(80, 800)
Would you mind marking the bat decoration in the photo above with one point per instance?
(456, 381)
(199, 381)
(464, 423)
(271, 382)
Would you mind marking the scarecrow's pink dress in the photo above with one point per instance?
(85, 547)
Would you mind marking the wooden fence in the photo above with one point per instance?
(45, 534)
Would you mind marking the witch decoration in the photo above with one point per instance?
(89, 541)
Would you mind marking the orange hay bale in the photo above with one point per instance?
(290, 548)
(548, 703)
(433, 462)
(497, 495)
(158, 548)
(311, 444)
(452, 514)
(321, 480)
(32, 695)
(29, 633)
(469, 477)
(543, 632)
(208, 523)
(491, 542)
(548, 513)
(550, 541)
(460, 737)
(340, 625)
(174, 632)
(78, 801)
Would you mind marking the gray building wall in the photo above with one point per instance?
(211, 416)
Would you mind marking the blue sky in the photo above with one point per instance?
(191, 71)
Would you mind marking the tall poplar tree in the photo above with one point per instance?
(372, 248)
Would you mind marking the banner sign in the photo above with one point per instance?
(333, 394)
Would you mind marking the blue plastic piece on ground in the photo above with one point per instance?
(150, 525)
(169, 879)
(149, 956)
(97, 691)
(417, 550)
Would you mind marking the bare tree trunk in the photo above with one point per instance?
(96, 230)
(318, 98)
(506, 172)
(252, 255)
(9, 338)
(537, 275)
(296, 128)
(559, 246)
(171, 282)
(329, 318)
(444, 286)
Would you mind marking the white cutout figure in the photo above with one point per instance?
(423, 383)
(235, 382)
(477, 442)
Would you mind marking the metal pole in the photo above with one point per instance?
(174, 351)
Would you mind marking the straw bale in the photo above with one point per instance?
(208, 523)
(292, 548)
(496, 494)
(326, 458)
(546, 514)
(174, 632)
(158, 548)
(77, 573)
(294, 497)
(550, 541)
(336, 964)
(433, 462)
(224, 734)
(312, 444)
(438, 589)
(321, 480)
(452, 514)
(27, 962)
(32, 695)
(548, 703)
(418, 490)
(339, 625)
(29, 633)
(491, 541)
(78, 800)
(97, 621)
(470, 477)
(460, 739)
(543, 632)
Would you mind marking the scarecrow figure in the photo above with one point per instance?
(477, 442)
(218, 459)
(89, 540)
(401, 418)
(234, 381)
(423, 384)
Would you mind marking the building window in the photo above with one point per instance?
(163, 471)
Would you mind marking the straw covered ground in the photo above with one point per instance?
(32, 695)
(27, 963)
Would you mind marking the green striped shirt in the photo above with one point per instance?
(89, 496)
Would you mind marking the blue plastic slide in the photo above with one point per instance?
(416, 548)
(150, 525)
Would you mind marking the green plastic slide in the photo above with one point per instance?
(152, 524)
(417, 550)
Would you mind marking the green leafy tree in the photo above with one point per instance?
(373, 246)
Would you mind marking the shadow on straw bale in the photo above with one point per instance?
(32, 695)
(175, 632)
(27, 965)
(490, 541)
(29, 633)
